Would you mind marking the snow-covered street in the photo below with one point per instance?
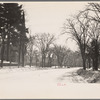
(47, 83)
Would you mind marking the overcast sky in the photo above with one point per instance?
(49, 17)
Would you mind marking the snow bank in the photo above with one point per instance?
(13, 69)
(89, 75)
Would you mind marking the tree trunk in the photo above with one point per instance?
(30, 61)
(59, 62)
(42, 60)
(36, 62)
(8, 46)
(23, 53)
(36, 59)
(19, 52)
(96, 56)
(96, 64)
(2, 52)
(84, 63)
(83, 56)
(93, 64)
(89, 61)
(49, 61)
(23, 38)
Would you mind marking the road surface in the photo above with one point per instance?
(42, 84)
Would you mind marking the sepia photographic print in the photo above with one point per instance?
(50, 50)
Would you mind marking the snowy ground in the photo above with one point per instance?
(26, 83)
(89, 75)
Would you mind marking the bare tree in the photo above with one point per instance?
(50, 57)
(36, 55)
(60, 52)
(93, 10)
(85, 30)
(73, 59)
(30, 49)
(94, 34)
(77, 28)
(43, 42)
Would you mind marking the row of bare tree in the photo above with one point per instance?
(84, 28)
(43, 49)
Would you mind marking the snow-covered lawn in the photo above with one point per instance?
(25, 83)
